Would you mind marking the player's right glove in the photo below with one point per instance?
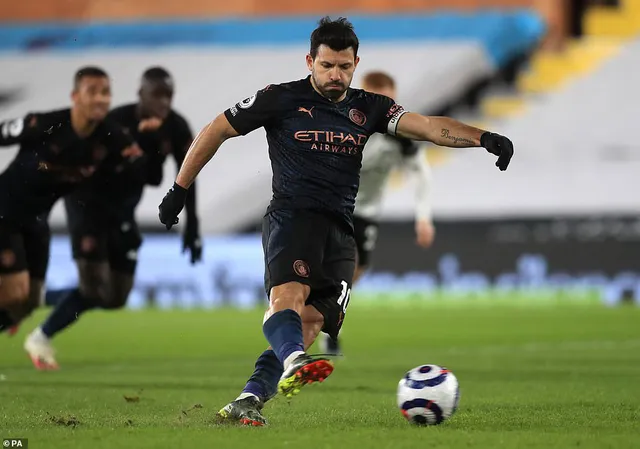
(500, 146)
(171, 205)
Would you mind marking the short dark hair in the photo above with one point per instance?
(156, 74)
(378, 80)
(88, 71)
(336, 34)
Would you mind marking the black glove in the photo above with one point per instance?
(500, 146)
(171, 205)
(191, 240)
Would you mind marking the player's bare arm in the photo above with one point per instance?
(204, 146)
(442, 131)
(449, 132)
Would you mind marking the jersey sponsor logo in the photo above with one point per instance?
(247, 102)
(301, 268)
(333, 142)
(357, 117)
(308, 111)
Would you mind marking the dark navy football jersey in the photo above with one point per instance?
(173, 137)
(315, 145)
(52, 161)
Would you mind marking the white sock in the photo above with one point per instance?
(38, 334)
(246, 395)
(291, 358)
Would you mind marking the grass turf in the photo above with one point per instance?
(552, 376)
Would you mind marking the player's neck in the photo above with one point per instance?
(82, 126)
(337, 100)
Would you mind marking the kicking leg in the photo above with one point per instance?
(283, 329)
(263, 383)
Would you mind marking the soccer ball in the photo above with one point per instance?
(428, 395)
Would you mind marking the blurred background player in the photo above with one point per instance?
(317, 128)
(59, 150)
(101, 215)
(381, 155)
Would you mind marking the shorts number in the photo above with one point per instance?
(345, 296)
(13, 128)
(370, 237)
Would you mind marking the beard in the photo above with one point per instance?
(331, 90)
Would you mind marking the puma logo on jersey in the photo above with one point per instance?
(308, 111)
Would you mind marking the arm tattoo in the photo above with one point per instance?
(445, 134)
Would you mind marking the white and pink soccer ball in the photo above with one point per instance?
(428, 395)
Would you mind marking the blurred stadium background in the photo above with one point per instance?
(551, 74)
(560, 228)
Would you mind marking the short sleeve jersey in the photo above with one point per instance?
(315, 145)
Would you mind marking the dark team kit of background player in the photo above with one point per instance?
(51, 162)
(101, 213)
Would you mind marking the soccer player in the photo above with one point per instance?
(382, 153)
(59, 150)
(101, 215)
(317, 128)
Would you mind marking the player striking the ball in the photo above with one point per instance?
(316, 129)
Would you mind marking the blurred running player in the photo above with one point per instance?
(316, 128)
(59, 151)
(381, 155)
(101, 215)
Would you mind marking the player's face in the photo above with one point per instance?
(386, 91)
(92, 97)
(332, 71)
(155, 98)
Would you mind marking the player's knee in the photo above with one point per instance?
(312, 324)
(116, 301)
(14, 289)
(120, 287)
(291, 295)
(94, 281)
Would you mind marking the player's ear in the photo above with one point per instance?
(309, 62)
(355, 63)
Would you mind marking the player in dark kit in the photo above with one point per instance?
(316, 129)
(59, 150)
(101, 214)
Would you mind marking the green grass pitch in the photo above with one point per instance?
(531, 377)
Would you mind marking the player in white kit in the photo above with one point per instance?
(381, 155)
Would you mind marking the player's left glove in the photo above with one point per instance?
(171, 205)
(191, 240)
(500, 146)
